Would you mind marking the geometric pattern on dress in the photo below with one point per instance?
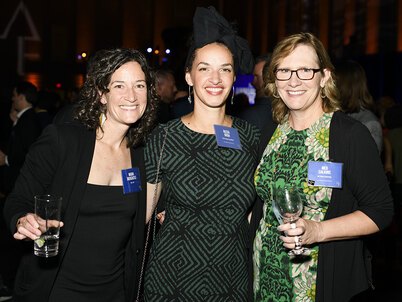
(200, 252)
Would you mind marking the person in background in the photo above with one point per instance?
(237, 104)
(47, 101)
(382, 105)
(65, 114)
(393, 122)
(207, 160)
(165, 85)
(166, 89)
(356, 99)
(260, 114)
(182, 105)
(313, 135)
(26, 129)
(85, 163)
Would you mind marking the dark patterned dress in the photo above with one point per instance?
(279, 277)
(200, 252)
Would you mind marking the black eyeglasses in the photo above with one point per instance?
(284, 74)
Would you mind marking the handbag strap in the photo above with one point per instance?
(153, 220)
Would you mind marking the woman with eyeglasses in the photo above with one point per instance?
(334, 165)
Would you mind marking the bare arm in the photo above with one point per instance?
(151, 204)
(349, 226)
(352, 225)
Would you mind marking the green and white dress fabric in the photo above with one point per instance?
(278, 276)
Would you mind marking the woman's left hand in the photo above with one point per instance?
(304, 231)
(161, 216)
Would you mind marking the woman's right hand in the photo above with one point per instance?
(29, 227)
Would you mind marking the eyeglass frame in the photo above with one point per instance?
(315, 70)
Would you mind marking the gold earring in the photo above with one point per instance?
(102, 119)
(322, 94)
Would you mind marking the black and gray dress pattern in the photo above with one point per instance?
(200, 252)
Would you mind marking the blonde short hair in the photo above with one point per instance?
(283, 49)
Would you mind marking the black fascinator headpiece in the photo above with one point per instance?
(209, 26)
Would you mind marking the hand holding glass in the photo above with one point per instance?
(288, 206)
(47, 211)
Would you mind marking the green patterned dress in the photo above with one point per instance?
(278, 276)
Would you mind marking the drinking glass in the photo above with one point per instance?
(47, 211)
(287, 205)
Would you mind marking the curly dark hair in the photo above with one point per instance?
(101, 66)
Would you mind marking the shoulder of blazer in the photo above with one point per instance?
(30, 113)
(343, 128)
(28, 121)
(72, 140)
(137, 155)
(73, 131)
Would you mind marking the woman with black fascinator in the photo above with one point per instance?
(205, 163)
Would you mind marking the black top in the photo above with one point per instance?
(181, 107)
(100, 279)
(260, 114)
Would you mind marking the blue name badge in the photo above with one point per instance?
(325, 174)
(227, 137)
(131, 180)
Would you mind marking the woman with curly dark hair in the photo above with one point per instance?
(96, 165)
(100, 69)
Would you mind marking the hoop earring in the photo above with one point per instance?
(233, 92)
(276, 95)
(322, 93)
(189, 94)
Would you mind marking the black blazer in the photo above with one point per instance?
(23, 134)
(59, 163)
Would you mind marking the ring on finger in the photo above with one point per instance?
(293, 225)
(298, 241)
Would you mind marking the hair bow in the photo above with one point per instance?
(209, 26)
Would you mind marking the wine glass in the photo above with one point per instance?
(288, 206)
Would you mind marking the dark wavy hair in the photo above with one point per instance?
(101, 66)
(352, 86)
(29, 90)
